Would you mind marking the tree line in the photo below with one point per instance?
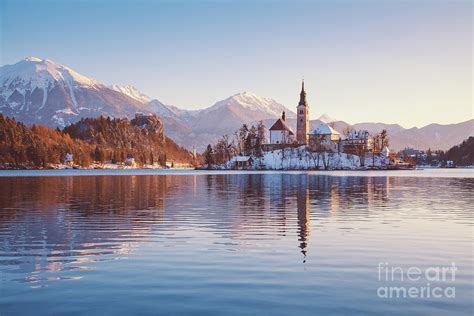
(245, 141)
(89, 140)
(460, 155)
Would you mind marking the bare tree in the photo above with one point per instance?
(384, 139)
(375, 146)
(223, 150)
(300, 154)
(326, 159)
(284, 155)
(379, 141)
(319, 148)
(315, 157)
(228, 147)
(351, 159)
(348, 131)
(261, 132)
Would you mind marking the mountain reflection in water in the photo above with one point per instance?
(65, 228)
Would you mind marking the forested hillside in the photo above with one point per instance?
(89, 140)
(463, 154)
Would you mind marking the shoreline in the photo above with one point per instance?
(121, 168)
(434, 173)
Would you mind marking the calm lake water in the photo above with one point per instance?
(274, 243)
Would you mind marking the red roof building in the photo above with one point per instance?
(280, 132)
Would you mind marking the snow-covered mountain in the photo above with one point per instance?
(229, 114)
(325, 118)
(434, 136)
(201, 127)
(249, 101)
(40, 91)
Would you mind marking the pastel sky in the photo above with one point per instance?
(407, 62)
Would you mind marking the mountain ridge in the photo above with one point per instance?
(39, 91)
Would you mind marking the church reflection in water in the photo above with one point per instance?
(65, 222)
(303, 214)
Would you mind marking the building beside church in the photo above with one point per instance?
(280, 132)
(301, 150)
(324, 138)
(302, 116)
(356, 142)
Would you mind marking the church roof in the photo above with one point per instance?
(281, 125)
(324, 129)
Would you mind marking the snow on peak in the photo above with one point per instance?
(33, 72)
(249, 97)
(132, 92)
(247, 94)
(251, 101)
(325, 118)
(32, 58)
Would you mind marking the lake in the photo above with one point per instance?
(236, 243)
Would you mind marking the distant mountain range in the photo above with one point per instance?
(434, 136)
(39, 91)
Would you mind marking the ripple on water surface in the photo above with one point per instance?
(239, 243)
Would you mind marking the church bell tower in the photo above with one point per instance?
(302, 125)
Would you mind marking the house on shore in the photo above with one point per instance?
(68, 159)
(130, 162)
(242, 162)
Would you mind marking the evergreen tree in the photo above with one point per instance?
(209, 159)
(98, 154)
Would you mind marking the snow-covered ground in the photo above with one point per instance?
(302, 159)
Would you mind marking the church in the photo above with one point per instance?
(322, 138)
(282, 134)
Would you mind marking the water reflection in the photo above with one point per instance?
(54, 224)
(303, 214)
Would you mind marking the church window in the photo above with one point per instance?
(301, 120)
(301, 111)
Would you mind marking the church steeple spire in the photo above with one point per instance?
(303, 95)
(302, 116)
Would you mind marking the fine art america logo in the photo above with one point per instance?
(416, 282)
